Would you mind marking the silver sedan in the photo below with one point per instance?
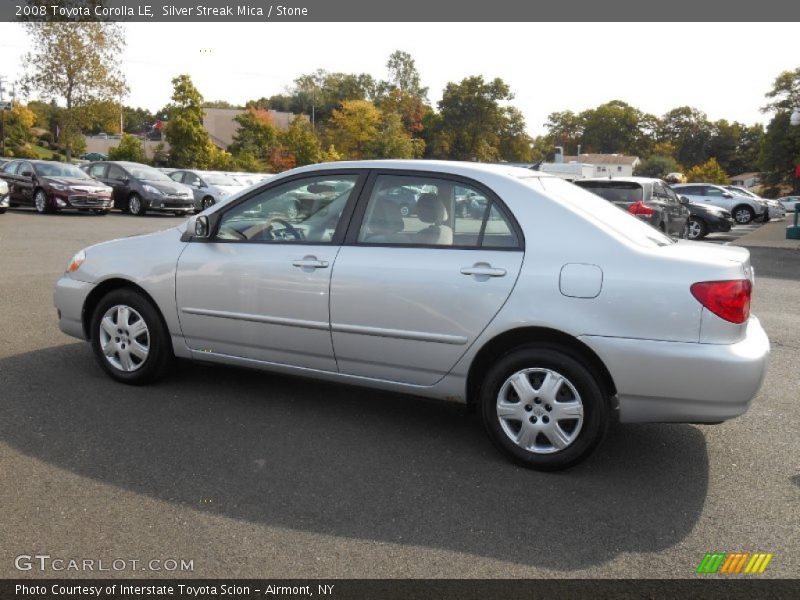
(550, 310)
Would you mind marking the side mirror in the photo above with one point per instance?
(201, 227)
(197, 183)
(27, 173)
(727, 195)
(684, 200)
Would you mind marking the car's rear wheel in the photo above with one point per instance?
(743, 214)
(129, 339)
(136, 206)
(206, 202)
(42, 202)
(696, 229)
(543, 407)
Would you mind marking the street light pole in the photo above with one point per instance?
(793, 231)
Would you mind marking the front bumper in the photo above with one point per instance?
(718, 224)
(167, 204)
(69, 298)
(82, 201)
(683, 382)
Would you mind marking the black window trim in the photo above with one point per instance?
(341, 226)
(354, 226)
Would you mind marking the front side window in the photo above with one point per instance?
(302, 210)
(176, 176)
(115, 173)
(10, 168)
(714, 192)
(427, 211)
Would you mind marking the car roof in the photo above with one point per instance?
(451, 167)
(622, 179)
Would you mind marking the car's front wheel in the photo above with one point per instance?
(136, 206)
(42, 202)
(207, 202)
(543, 407)
(743, 215)
(129, 339)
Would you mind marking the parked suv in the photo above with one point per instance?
(743, 208)
(139, 188)
(649, 199)
(775, 210)
(52, 186)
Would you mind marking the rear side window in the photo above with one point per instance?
(614, 191)
(428, 211)
(10, 168)
(97, 170)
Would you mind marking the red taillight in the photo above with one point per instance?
(727, 299)
(638, 208)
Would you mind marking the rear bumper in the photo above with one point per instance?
(69, 298)
(679, 382)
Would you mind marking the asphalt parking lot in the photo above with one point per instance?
(255, 475)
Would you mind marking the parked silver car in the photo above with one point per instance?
(208, 187)
(743, 208)
(775, 210)
(553, 312)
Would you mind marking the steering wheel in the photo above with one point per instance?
(288, 227)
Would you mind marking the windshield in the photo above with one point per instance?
(619, 191)
(59, 170)
(219, 179)
(604, 214)
(146, 173)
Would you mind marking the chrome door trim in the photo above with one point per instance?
(420, 336)
(223, 314)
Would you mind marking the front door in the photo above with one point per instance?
(259, 288)
(410, 293)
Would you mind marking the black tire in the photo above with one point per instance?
(206, 202)
(697, 228)
(44, 207)
(743, 214)
(2, 211)
(136, 205)
(160, 354)
(581, 377)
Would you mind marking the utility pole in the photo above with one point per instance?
(2, 118)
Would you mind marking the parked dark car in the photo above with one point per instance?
(649, 199)
(54, 186)
(94, 156)
(139, 188)
(707, 218)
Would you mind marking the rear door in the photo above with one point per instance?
(25, 181)
(409, 294)
(118, 179)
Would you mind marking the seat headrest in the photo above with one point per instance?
(386, 218)
(430, 209)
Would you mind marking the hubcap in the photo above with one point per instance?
(134, 205)
(540, 410)
(742, 216)
(124, 338)
(694, 229)
(41, 201)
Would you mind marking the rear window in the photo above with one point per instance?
(615, 191)
(604, 214)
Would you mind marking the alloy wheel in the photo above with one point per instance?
(40, 200)
(695, 229)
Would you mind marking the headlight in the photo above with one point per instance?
(151, 190)
(76, 262)
(59, 187)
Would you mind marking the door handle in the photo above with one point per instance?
(483, 270)
(310, 262)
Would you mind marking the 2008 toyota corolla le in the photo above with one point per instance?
(551, 309)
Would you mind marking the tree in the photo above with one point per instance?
(257, 133)
(18, 123)
(657, 166)
(780, 152)
(690, 132)
(353, 129)
(130, 148)
(565, 129)
(610, 128)
(472, 118)
(785, 92)
(393, 141)
(137, 120)
(708, 172)
(515, 143)
(190, 144)
(301, 141)
(77, 63)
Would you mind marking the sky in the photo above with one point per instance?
(722, 69)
